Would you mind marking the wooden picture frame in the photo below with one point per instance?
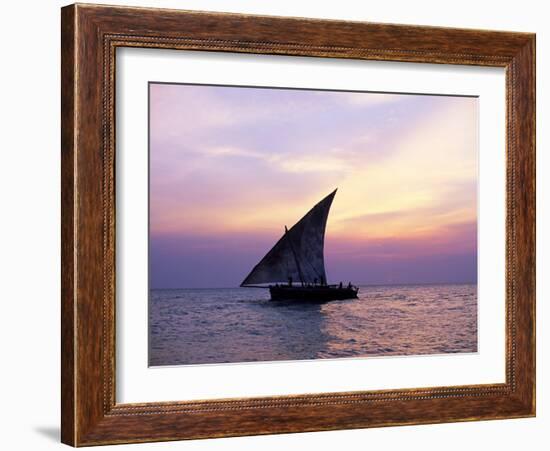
(90, 36)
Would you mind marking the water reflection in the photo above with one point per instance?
(409, 320)
(243, 325)
(300, 332)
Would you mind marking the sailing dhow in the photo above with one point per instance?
(294, 269)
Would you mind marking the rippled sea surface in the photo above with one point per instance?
(194, 326)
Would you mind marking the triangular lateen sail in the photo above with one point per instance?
(299, 253)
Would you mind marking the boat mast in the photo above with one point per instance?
(295, 256)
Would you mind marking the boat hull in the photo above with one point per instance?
(312, 294)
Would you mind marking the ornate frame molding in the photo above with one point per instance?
(90, 36)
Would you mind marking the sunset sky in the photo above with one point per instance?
(231, 166)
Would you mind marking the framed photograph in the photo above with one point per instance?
(278, 225)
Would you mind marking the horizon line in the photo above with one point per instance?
(357, 284)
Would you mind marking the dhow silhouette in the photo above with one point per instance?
(294, 269)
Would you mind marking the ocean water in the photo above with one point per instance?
(198, 326)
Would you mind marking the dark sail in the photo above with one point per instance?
(299, 252)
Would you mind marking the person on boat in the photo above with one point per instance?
(350, 286)
(340, 286)
(290, 281)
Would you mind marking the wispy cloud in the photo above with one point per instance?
(330, 160)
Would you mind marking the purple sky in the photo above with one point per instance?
(230, 167)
